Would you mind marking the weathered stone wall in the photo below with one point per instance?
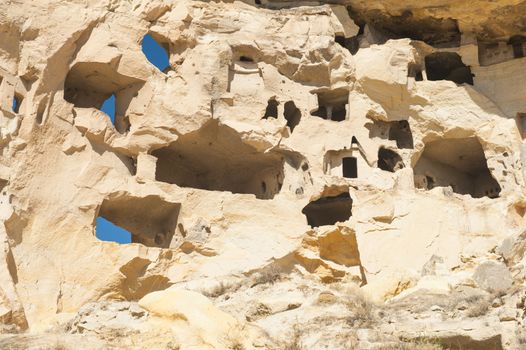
(335, 175)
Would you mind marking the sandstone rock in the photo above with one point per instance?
(331, 254)
(329, 175)
(507, 315)
(195, 320)
(493, 277)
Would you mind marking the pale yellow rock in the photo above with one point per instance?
(295, 164)
(195, 321)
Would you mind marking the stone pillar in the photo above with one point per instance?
(329, 112)
(146, 166)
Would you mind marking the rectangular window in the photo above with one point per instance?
(350, 167)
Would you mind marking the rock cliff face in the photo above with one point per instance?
(302, 175)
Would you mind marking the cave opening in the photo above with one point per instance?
(272, 109)
(400, 131)
(328, 210)
(457, 163)
(215, 158)
(389, 160)
(89, 85)
(447, 66)
(292, 115)
(332, 105)
(437, 32)
(493, 52)
(352, 44)
(149, 220)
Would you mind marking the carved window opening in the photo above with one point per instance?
(150, 220)
(328, 210)
(400, 131)
(350, 167)
(89, 85)
(448, 66)
(389, 160)
(292, 114)
(272, 109)
(332, 105)
(156, 53)
(17, 102)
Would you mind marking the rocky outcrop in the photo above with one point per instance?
(297, 175)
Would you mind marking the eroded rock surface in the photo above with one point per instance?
(302, 175)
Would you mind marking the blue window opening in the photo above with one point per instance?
(155, 53)
(17, 101)
(109, 232)
(108, 107)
